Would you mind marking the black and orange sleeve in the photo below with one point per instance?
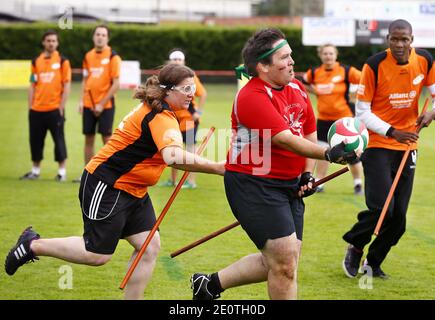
(165, 130)
(366, 88)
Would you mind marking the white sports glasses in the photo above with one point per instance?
(186, 89)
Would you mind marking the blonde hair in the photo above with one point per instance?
(326, 45)
(155, 89)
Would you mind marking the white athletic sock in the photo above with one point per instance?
(36, 170)
(357, 182)
(62, 172)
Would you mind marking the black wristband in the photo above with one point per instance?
(327, 155)
(390, 132)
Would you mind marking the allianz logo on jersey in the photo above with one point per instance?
(402, 100)
(406, 95)
(46, 77)
(96, 72)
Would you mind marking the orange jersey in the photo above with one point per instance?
(185, 116)
(131, 160)
(100, 68)
(332, 90)
(393, 90)
(48, 76)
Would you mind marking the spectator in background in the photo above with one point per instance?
(101, 71)
(49, 90)
(330, 82)
(189, 121)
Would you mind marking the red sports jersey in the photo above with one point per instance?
(259, 113)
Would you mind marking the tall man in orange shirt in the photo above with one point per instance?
(387, 103)
(101, 71)
(49, 90)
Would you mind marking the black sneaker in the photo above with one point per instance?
(21, 253)
(199, 283)
(351, 261)
(60, 178)
(358, 190)
(376, 272)
(30, 176)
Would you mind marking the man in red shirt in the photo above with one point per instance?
(50, 86)
(267, 170)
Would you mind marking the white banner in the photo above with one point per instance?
(380, 10)
(424, 33)
(130, 74)
(318, 31)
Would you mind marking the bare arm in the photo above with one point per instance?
(201, 105)
(99, 107)
(178, 158)
(111, 92)
(82, 95)
(286, 140)
(65, 95)
(310, 163)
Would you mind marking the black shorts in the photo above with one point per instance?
(322, 129)
(39, 124)
(266, 208)
(105, 121)
(110, 214)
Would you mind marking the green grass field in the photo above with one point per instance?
(53, 209)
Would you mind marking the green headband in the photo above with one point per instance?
(241, 70)
(268, 53)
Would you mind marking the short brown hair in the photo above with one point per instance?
(258, 44)
(49, 32)
(102, 26)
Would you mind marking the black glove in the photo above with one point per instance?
(305, 179)
(338, 155)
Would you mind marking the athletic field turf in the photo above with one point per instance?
(53, 209)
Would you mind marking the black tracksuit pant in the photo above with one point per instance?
(380, 167)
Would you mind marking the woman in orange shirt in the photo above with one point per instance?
(330, 82)
(113, 191)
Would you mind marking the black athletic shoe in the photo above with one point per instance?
(30, 176)
(376, 272)
(351, 261)
(199, 283)
(60, 178)
(21, 253)
(358, 190)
